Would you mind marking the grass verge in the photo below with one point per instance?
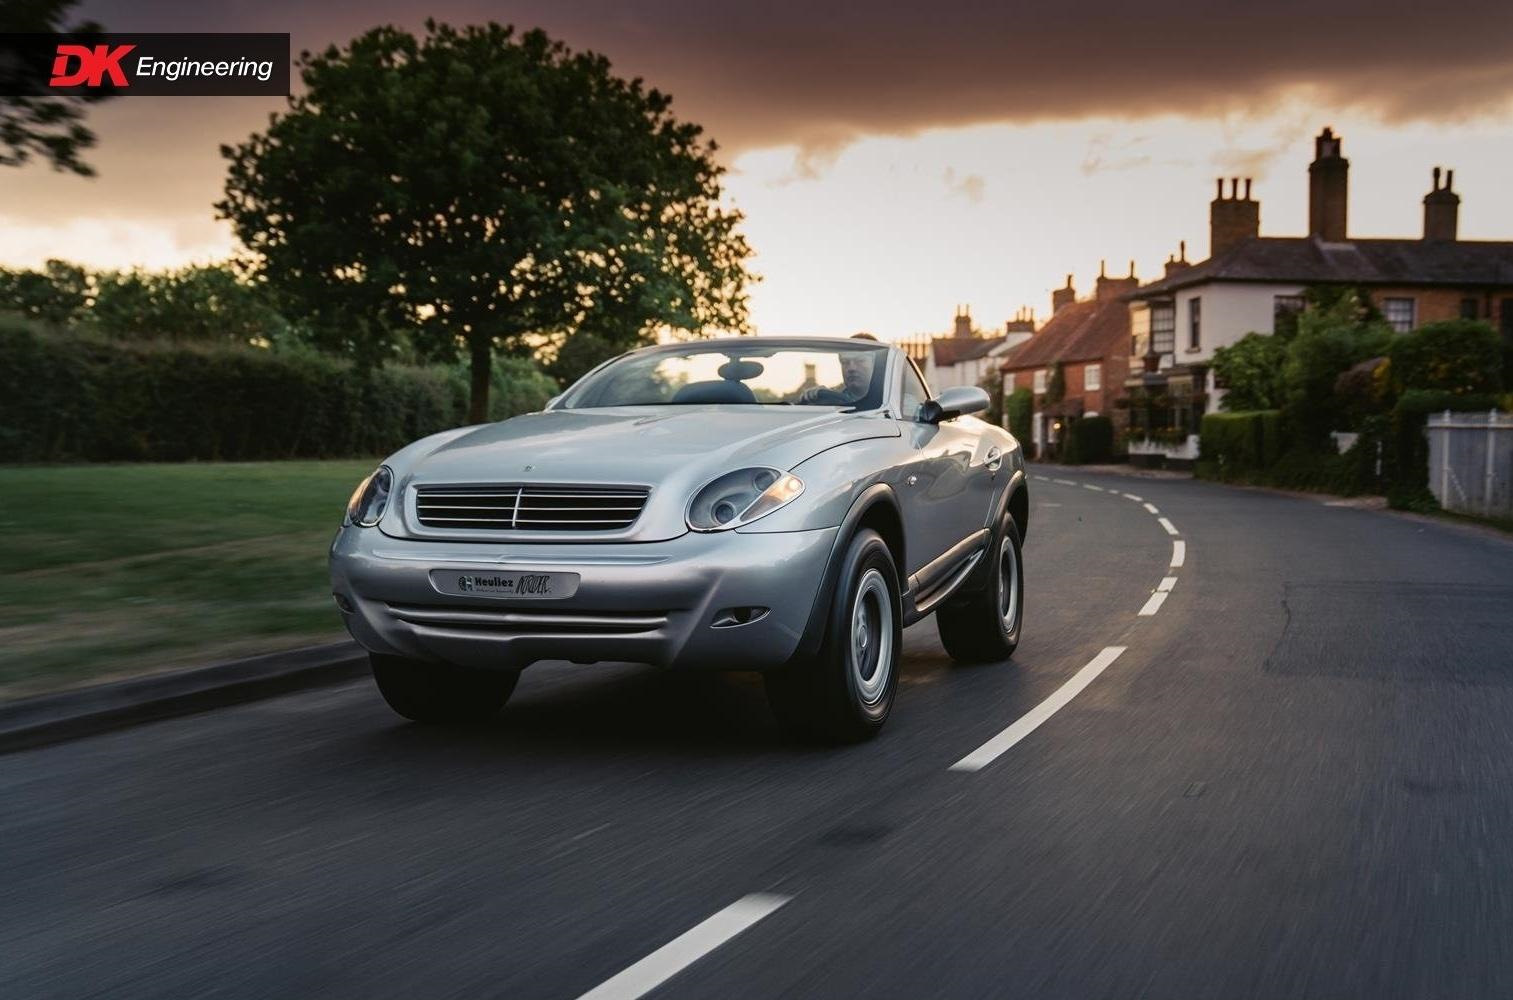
(114, 570)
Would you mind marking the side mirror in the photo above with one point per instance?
(954, 402)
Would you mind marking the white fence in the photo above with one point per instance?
(1471, 462)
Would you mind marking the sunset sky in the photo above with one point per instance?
(896, 159)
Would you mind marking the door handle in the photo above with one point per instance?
(911, 479)
(995, 459)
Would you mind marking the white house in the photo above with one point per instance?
(1254, 284)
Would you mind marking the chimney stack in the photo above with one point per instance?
(1113, 288)
(1178, 261)
(1023, 322)
(963, 322)
(1063, 296)
(1442, 209)
(1328, 188)
(1231, 219)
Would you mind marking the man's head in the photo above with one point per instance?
(856, 369)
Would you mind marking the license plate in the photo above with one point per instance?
(492, 583)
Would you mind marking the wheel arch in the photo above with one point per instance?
(876, 508)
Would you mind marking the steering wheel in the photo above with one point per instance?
(824, 397)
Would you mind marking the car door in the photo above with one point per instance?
(936, 488)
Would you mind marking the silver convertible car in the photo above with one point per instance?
(785, 505)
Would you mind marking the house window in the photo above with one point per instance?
(1163, 327)
(1399, 313)
(1040, 381)
(1194, 323)
(1469, 308)
(1284, 312)
(1092, 377)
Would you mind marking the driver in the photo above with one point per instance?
(856, 379)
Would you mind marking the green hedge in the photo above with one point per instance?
(1242, 441)
(1406, 451)
(1087, 441)
(67, 398)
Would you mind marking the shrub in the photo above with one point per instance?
(1241, 441)
(67, 398)
(1020, 407)
(1406, 451)
(1087, 440)
(1460, 355)
(1251, 369)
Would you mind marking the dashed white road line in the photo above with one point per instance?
(1171, 529)
(1179, 553)
(1090, 486)
(1167, 583)
(1154, 604)
(1032, 720)
(1131, 496)
(687, 948)
(1064, 482)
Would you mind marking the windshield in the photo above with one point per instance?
(848, 374)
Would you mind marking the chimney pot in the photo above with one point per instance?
(1247, 188)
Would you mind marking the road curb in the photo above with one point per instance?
(66, 715)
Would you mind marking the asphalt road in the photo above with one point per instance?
(1296, 780)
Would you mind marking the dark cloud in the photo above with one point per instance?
(812, 73)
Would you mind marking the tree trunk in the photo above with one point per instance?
(480, 368)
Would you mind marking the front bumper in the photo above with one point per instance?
(652, 602)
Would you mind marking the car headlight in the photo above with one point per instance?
(741, 497)
(371, 498)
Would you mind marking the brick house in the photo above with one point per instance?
(1252, 283)
(1090, 341)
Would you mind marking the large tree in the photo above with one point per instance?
(490, 191)
(34, 122)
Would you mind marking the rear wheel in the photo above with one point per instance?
(440, 692)
(985, 626)
(846, 692)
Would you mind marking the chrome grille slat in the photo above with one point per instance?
(544, 622)
(530, 508)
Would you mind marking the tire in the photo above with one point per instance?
(440, 692)
(984, 627)
(844, 694)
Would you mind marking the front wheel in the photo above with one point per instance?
(985, 626)
(846, 692)
(440, 692)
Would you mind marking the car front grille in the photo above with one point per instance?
(530, 508)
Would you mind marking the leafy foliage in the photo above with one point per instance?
(1251, 369)
(33, 121)
(1458, 356)
(1330, 339)
(67, 398)
(56, 295)
(1020, 408)
(1087, 440)
(489, 191)
(203, 303)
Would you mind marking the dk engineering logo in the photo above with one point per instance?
(161, 65)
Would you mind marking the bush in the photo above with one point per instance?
(1460, 355)
(1020, 407)
(67, 398)
(1406, 451)
(1241, 441)
(1087, 440)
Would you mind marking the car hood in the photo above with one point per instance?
(671, 449)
